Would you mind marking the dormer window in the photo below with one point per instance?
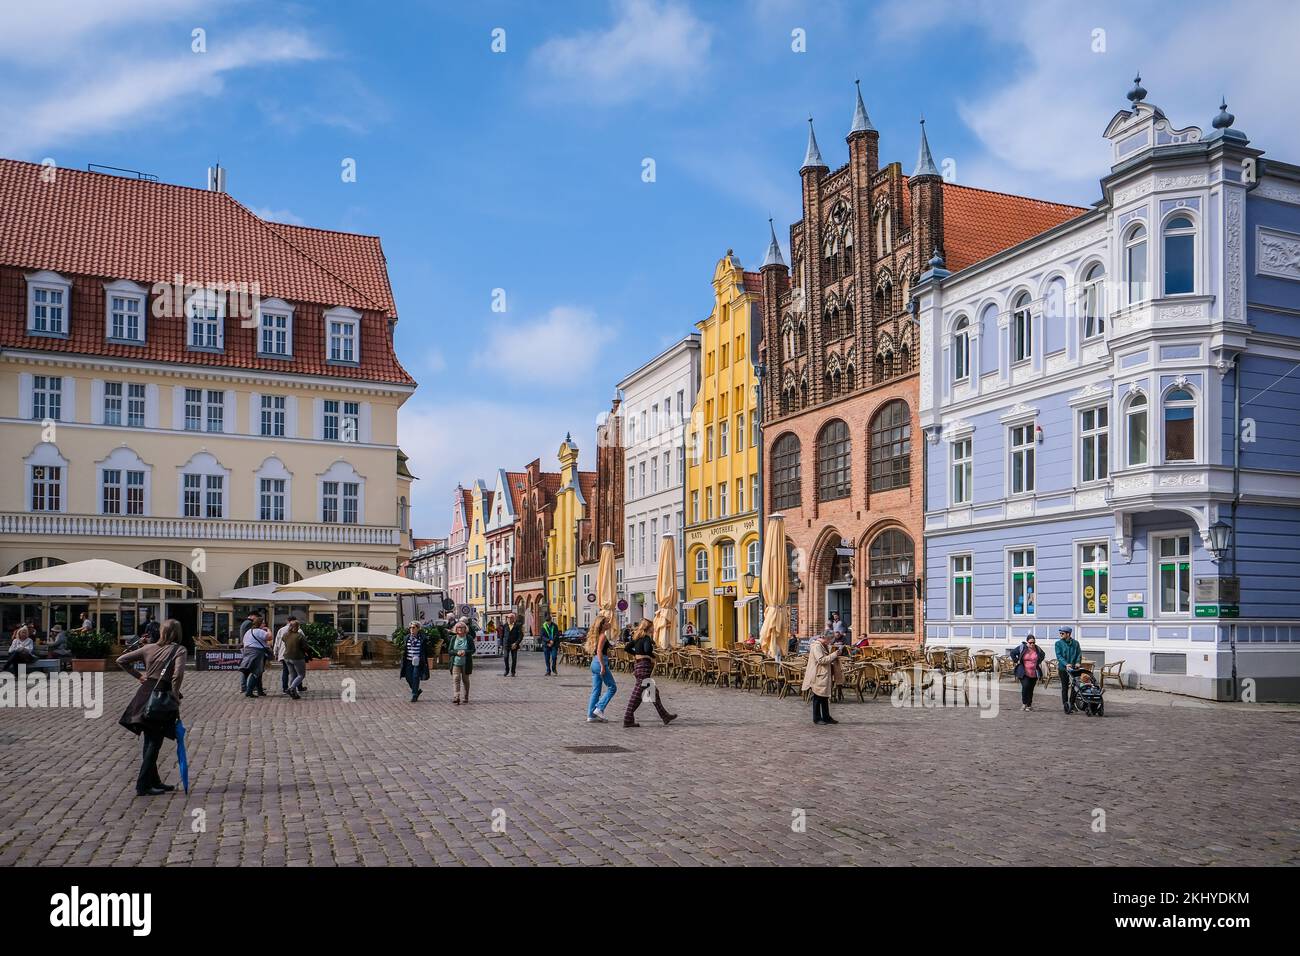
(48, 294)
(342, 334)
(124, 318)
(275, 329)
(205, 314)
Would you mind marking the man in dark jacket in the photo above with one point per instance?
(415, 660)
(512, 635)
(1068, 654)
(550, 646)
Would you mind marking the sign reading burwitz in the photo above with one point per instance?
(340, 565)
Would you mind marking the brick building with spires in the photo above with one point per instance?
(840, 351)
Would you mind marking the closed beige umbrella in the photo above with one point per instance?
(776, 589)
(605, 594)
(665, 622)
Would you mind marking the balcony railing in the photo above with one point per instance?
(194, 529)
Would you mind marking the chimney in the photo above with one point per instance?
(216, 179)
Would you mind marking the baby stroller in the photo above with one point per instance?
(1087, 693)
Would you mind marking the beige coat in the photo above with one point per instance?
(823, 669)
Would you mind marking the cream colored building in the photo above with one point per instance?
(218, 442)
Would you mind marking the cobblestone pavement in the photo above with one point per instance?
(381, 781)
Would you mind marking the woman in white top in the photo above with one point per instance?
(256, 647)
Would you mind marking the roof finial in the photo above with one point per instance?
(1138, 93)
(813, 157)
(936, 260)
(924, 161)
(773, 257)
(1225, 119)
(861, 121)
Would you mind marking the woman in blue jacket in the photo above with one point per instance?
(415, 660)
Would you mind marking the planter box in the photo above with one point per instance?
(318, 664)
(88, 663)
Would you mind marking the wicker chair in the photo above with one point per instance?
(937, 657)
(347, 653)
(960, 658)
(879, 677)
(1051, 672)
(982, 663)
(384, 652)
(1115, 672)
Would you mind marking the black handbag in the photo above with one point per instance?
(162, 706)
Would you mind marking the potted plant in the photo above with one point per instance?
(321, 638)
(89, 648)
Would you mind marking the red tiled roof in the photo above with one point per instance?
(978, 223)
(358, 257)
(587, 485)
(95, 227)
(517, 483)
(551, 483)
(467, 501)
(418, 543)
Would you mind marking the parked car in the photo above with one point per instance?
(574, 634)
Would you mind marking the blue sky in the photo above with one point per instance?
(522, 170)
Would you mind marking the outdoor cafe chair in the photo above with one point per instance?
(791, 679)
(982, 663)
(1051, 672)
(937, 657)
(1113, 671)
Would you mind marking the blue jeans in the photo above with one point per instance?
(597, 678)
(549, 655)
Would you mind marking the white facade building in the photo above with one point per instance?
(657, 405)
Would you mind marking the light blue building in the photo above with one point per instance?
(1112, 422)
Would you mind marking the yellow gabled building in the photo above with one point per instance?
(722, 549)
(476, 557)
(573, 510)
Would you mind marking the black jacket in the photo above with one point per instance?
(512, 635)
(550, 634)
(1018, 652)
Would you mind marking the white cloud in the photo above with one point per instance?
(452, 442)
(1043, 105)
(652, 49)
(100, 73)
(560, 348)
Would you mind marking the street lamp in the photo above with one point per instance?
(750, 580)
(905, 572)
(1220, 539)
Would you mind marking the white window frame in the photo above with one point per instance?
(722, 500)
(753, 558)
(205, 465)
(1165, 234)
(130, 291)
(1098, 435)
(955, 574)
(961, 350)
(274, 309)
(1194, 403)
(1129, 400)
(1097, 566)
(45, 455)
(1131, 241)
(123, 461)
(270, 416)
(273, 469)
(1092, 295)
(1030, 568)
(1027, 449)
(961, 469)
(348, 317)
(702, 566)
(1157, 559)
(727, 562)
(49, 282)
(341, 473)
(1022, 329)
(41, 386)
(210, 301)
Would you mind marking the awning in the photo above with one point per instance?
(689, 605)
(746, 599)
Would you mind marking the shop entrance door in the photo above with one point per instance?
(187, 614)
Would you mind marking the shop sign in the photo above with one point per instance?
(218, 658)
(340, 565)
(1136, 610)
(1218, 610)
(726, 590)
(1218, 590)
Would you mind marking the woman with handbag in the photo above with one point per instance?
(155, 708)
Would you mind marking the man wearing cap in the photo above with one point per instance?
(1068, 654)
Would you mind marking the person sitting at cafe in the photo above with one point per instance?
(58, 648)
(22, 649)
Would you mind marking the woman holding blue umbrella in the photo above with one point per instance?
(150, 714)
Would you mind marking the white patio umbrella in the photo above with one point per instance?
(358, 578)
(271, 594)
(97, 574)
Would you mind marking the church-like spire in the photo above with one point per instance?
(813, 158)
(861, 121)
(924, 161)
(773, 257)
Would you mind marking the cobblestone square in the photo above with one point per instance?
(381, 781)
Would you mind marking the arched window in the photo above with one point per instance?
(265, 573)
(787, 399)
(1136, 423)
(803, 336)
(35, 564)
(701, 566)
(848, 252)
(1022, 329)
(1135, 263)
(1093, 301)
(803, 393)
(753, 563)
(834, 461)
(832, 261)
(881, 367)
(1180, 426)
(1054, 333)
(833, 384)
(828, 327)
(892, 605)
(891, 446)
(187, 583)
(848, 379)
(1180, 256)
(904, 364)
(961, 350)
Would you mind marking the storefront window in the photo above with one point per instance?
(892, 606)
(1175, 571)
(1022, 582)
(1094, 579)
